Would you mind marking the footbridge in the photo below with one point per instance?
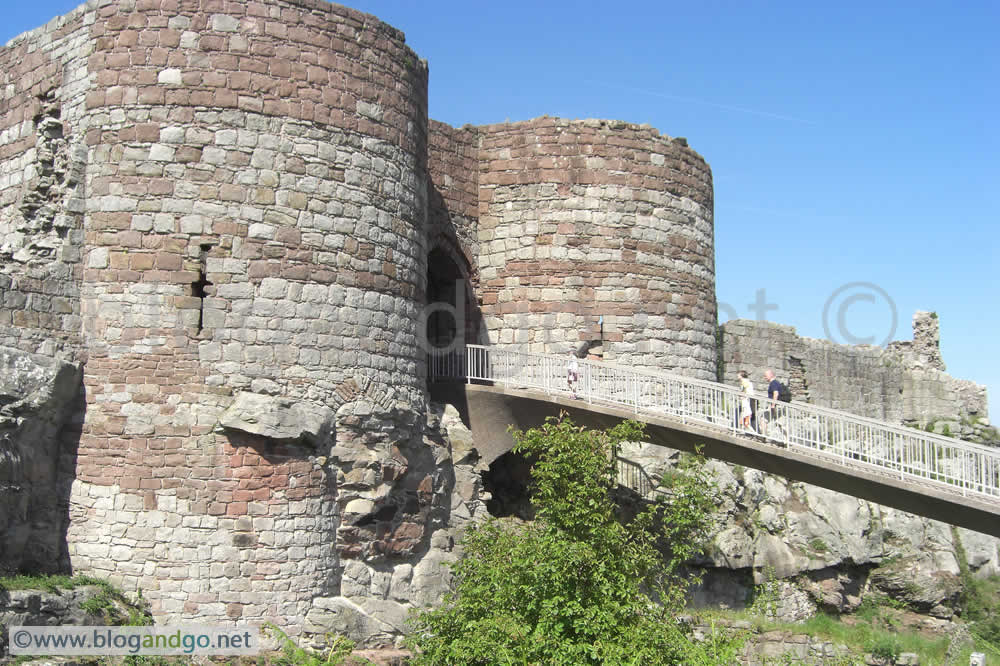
(930, 475)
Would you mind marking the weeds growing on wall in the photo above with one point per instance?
(338, 651)
(576, 586)
(980, 599)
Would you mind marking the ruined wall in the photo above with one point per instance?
(255, 235)
(583, 219)
(904, 383)
(43, 83)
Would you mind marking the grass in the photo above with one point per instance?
(47, 583)
(108, 603)
(877, 629)
(818, 545)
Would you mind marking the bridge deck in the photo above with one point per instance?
(938, 477)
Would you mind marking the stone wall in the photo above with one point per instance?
(453, 166)
(587, 219)
(255, 219)
(233, 214)
(904, 383)
(44, 80)
(453, 232)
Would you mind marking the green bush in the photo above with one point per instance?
(979, 599)
(576, 586)
(885, 647)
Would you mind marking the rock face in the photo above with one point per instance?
(403, 507)
(37, 395)
(825, 549)
(58, 607)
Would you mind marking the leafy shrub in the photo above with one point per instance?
(765, 597)
(576, 586)
(885, 647)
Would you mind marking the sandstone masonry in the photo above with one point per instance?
(227, 218)
(221, 226)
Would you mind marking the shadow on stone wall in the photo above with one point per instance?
(38, 444)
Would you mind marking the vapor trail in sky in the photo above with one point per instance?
(690, 100)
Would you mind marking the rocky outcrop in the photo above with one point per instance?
(404, 501)
(47, 608)
(827, 549)
(978, 431)
(37, 396)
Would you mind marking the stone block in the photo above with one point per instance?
(169, 77)
(279, 418)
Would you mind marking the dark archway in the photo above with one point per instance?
(508, 481)
(453, 312)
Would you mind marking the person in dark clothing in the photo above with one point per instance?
(772, 412)
(773, 385)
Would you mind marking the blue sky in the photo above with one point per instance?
(850, 142)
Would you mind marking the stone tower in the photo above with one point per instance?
(231, 215)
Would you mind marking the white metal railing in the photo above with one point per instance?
(948, 464)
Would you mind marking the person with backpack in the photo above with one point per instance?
(776, 391)
(774, 387)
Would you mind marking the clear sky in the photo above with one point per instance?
(850, 142)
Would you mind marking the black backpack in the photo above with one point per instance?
(784, 395)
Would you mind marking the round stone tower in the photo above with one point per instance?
(254, 260)
(598, 231)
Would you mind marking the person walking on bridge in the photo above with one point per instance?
(776, 392)
(747, 387)
(773, 385)
(572, 373)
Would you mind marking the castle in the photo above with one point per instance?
(221, 224)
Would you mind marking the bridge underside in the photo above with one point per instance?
(489, 410)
